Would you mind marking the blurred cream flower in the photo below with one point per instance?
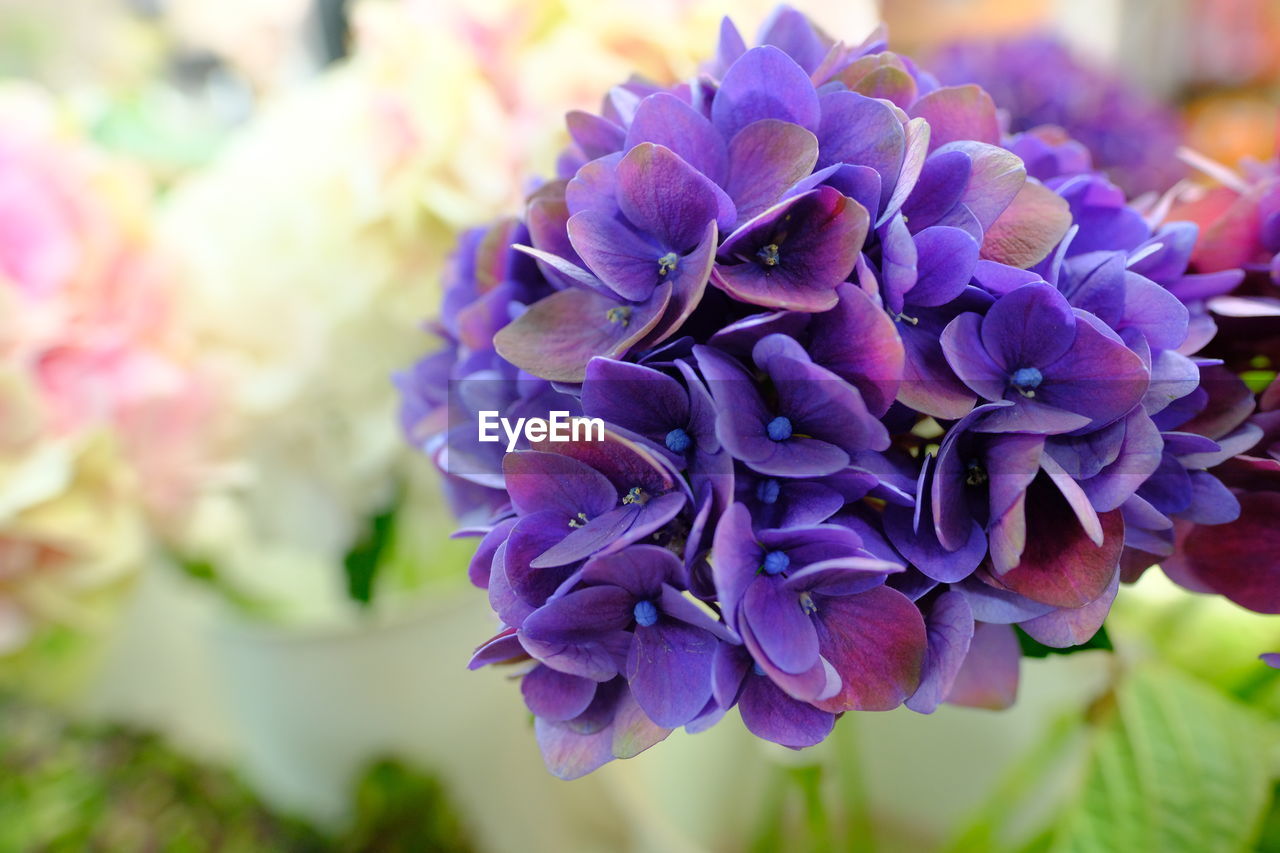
(470, 95)
(303, 298)
(314, 245)
(97, 441)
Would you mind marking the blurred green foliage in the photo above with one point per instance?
(70, 787)
(1179, 754)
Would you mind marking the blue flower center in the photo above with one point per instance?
(636, 495)
(646, 613)
(767, 491)
(768, 255)
(776, 562)
(1026, 380)
(779, 428)
(667, 263)
(756, 668)
(678, 441)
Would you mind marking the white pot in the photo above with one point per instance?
(313, 707)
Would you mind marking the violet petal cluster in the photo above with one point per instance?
(1037, 80)
(876, 385)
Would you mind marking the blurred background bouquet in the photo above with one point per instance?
(104, 403)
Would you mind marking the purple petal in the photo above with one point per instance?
(742, 425)
(556, 337)
(554, 695)
(582, 615)
(795, 34)
(613, 530)
(1138, 457)
(1001, 278)
(769, 713)
(1059, 564)
(989, 676)
(764, 83)
(765, 159)
(504, 647)
(899, 258)
(1075, 497)
(553, 482)
(874, 364)
(1065, 627)
(666, 197)
(1226, 557)
(1034, 222)
(996, 177)
(962, 345)
(940, 186)
(946, 260)
(999, 606)
(633, 731)
(670, 671)
(918, 134)
(666, 120)
(929, 385)
(593, 187)
(950, 628)
(1031, 327)
(509, 607)
(641, 570)
(624, 260)
(687, 287)
(532, 536)
(860, 183)
(730, 46)
(568, 754)
(862, 131)
(596, 136)
(921, 546)
(1098, 377)
(482, 560)
(738, 557)
(812, 685)
(634, 397)
(958, 113)
(729, 666)
(887, 80)
(594, 658)
(796, 253)
(1012, 464)
(783, 630)
(876, 641)
(817, 402)
(1155, 312)
(1211, 501)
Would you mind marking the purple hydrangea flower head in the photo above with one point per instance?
(877, 387)
(1036, 80)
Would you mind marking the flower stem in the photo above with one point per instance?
(859, 832)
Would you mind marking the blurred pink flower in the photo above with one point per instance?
(102, 409)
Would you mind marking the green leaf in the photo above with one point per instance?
(1174, 766)
(1032, 648)
(362, 562)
